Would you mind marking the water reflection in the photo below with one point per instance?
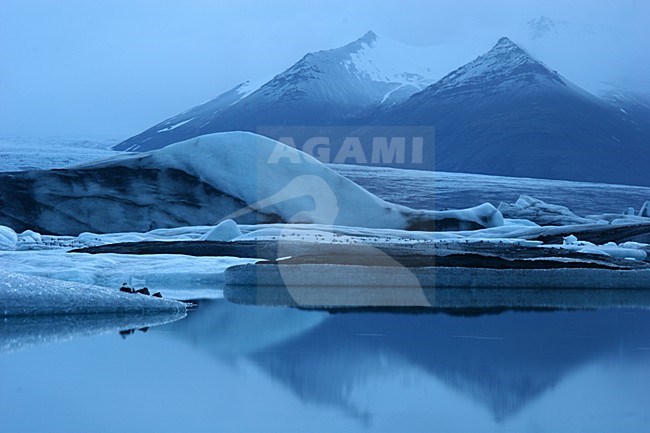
(20, 332)
(503, 360)
(229, 367)
(230, 331)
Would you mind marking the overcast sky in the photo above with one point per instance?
(75, 67)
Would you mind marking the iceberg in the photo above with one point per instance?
(645, 209)
(8, 238)
(202, 181)
(626, 250)
(225, 231)
(542, 213)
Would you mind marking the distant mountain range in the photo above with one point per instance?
(504, 113)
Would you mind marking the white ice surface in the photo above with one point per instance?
(626, 250)
(532, 209)
(28, 295)
(175, 276)
(8, 238)
(186, 277)
(225, 231)
(513, 231)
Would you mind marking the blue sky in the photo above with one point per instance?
(117, 67)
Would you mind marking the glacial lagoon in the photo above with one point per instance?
(230, 367)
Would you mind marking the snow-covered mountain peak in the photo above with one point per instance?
(369, 37)
(504, 44)
(368, 40)
(366, 71)
(505, 65)
(508, 56)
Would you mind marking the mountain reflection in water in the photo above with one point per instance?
(502, 359)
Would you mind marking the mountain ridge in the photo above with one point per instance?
(507, 113)
(503, 113)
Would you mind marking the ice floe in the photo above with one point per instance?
(24, 295)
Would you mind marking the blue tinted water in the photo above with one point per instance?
(229, 367)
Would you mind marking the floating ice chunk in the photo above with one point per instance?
(225, 231)
(593, 250)
(177, 276)
(484, 215)
(624, 253)
(569, 240)
(627, 219)
(645, 209)
(633, 245)
(89, 239)
(8, 238)
(627, 250)
(24, 295)
(29, 236)
(542, 213)
(520, 222)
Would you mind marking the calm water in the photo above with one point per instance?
(229, 367)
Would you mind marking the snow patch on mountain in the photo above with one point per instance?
(249, 86)
(361, 73)
(176, 125)
(386, 60)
